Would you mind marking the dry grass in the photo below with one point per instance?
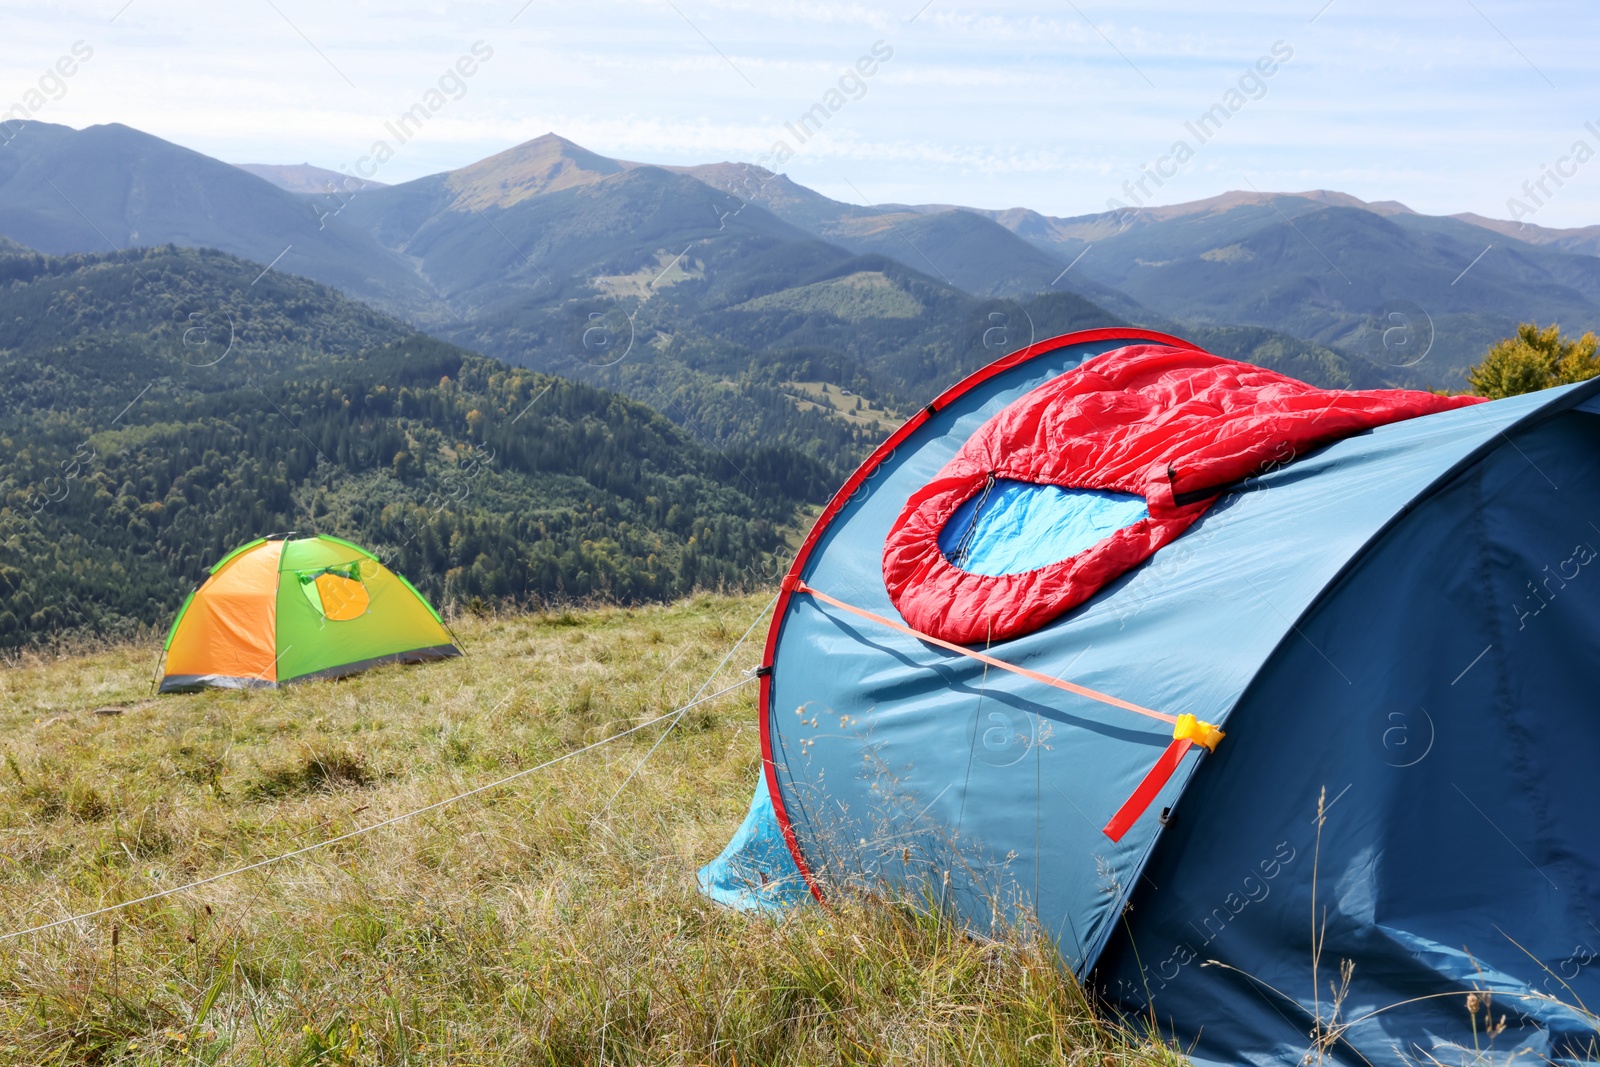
(530, 924)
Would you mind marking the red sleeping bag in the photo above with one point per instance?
(1174, 426)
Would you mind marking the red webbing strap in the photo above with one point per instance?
(1145, 795)
(1058, 683)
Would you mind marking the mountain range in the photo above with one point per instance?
(1372, 280)
(195, 352)
(706, 278)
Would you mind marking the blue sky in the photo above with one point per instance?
(1447, 106)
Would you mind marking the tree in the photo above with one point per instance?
(1534, 359)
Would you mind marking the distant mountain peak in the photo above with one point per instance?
(724, 172)
(1582, 239)
(546, 164)
(1237, 198)
(1338, 199)
(307, 178)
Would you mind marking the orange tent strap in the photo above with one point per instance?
(1044, 679)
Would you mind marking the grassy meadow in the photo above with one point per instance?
(543, 922)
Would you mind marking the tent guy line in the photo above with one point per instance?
(1059, 683)
(761, 617)
(1187, 730)
(269, 861)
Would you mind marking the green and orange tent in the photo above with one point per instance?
(291, 608)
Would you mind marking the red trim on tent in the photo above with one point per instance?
(856, 480)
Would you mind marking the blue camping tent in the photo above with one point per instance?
(1399, 634)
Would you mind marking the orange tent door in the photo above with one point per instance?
(230, 630)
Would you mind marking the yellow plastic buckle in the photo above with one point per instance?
(1189, 728)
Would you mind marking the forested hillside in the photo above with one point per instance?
(159, 407)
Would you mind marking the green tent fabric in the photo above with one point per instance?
(289, 608)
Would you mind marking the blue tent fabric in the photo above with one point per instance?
(755, 871)
(1398, 624)
(1017, 526)
(1442, 697)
